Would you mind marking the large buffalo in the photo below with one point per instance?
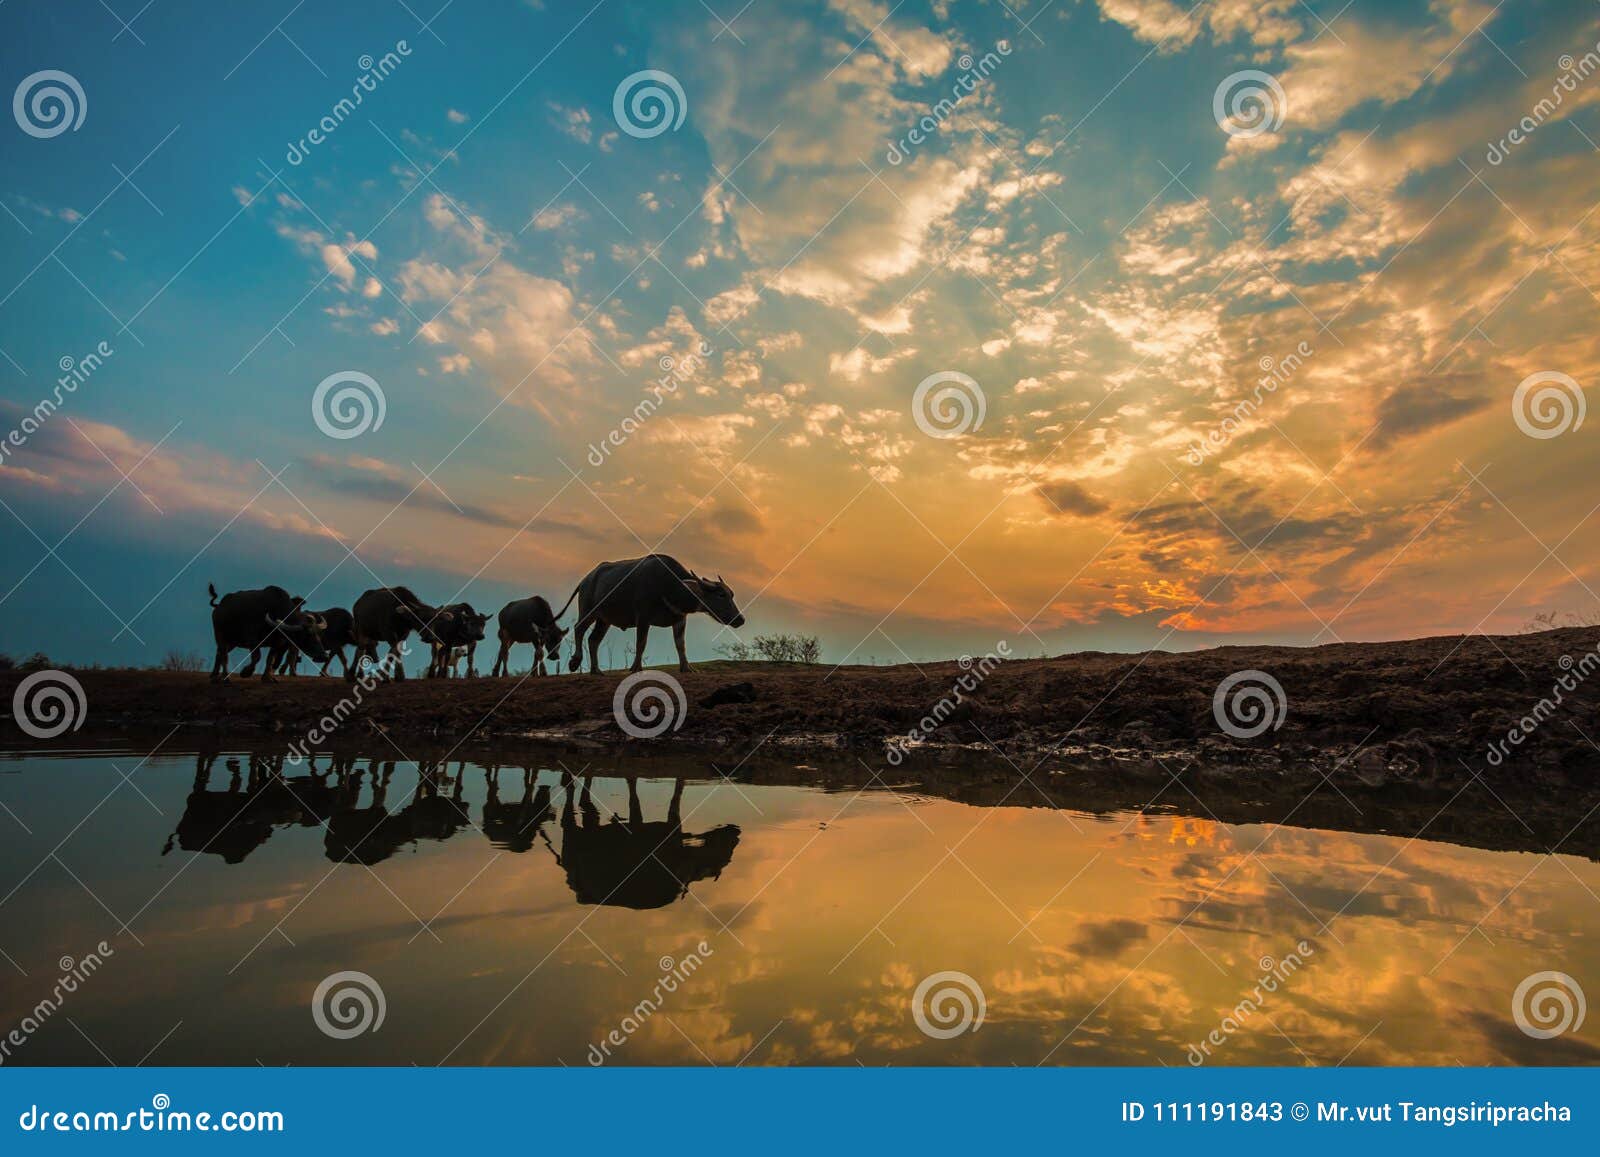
(338, 632)
(636, 864)
(271, 619)
(528, 621)
(654, 591)
(389, 615)
(463, 629)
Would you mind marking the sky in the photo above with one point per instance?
(1107, 324)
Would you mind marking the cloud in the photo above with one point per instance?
(1071, 498)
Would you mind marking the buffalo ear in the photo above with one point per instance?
(296, 603)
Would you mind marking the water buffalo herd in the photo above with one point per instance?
(637, 594)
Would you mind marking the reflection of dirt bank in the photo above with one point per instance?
(1372, 715)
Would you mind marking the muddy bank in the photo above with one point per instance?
(1424, 712)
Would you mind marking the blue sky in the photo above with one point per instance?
(1079, 235)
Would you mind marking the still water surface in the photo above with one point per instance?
(519, 916)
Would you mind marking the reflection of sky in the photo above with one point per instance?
(1096, 941)
(1080, 236)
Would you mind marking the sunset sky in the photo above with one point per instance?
(1081, 230)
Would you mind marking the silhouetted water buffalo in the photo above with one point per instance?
(338, 632)
(528, 621)
(268, 618)
(372, 834)
(638, 864)
(389, 615)
(513, 826)
(464, 628)
(235, 821)
(654, 591)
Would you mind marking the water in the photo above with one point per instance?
(795, 923)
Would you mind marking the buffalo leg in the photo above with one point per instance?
(219, 669)
(641, 637)
(677, 641)
(250, 667)
(396, 662)
(583, 624)
(502, 661)
(275, 659)
(595, 636)
(472, 651)
(538, 658)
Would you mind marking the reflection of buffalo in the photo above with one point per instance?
(637, 864)
(369, 835)
(235, 821)
(513, 825)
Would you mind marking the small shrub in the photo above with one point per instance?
(773, 649)
(38, 661)
(1553, 620)
(176, 660)
(7, 663)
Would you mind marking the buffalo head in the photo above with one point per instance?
(433, 626)
(716, 599)
(304, 630)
